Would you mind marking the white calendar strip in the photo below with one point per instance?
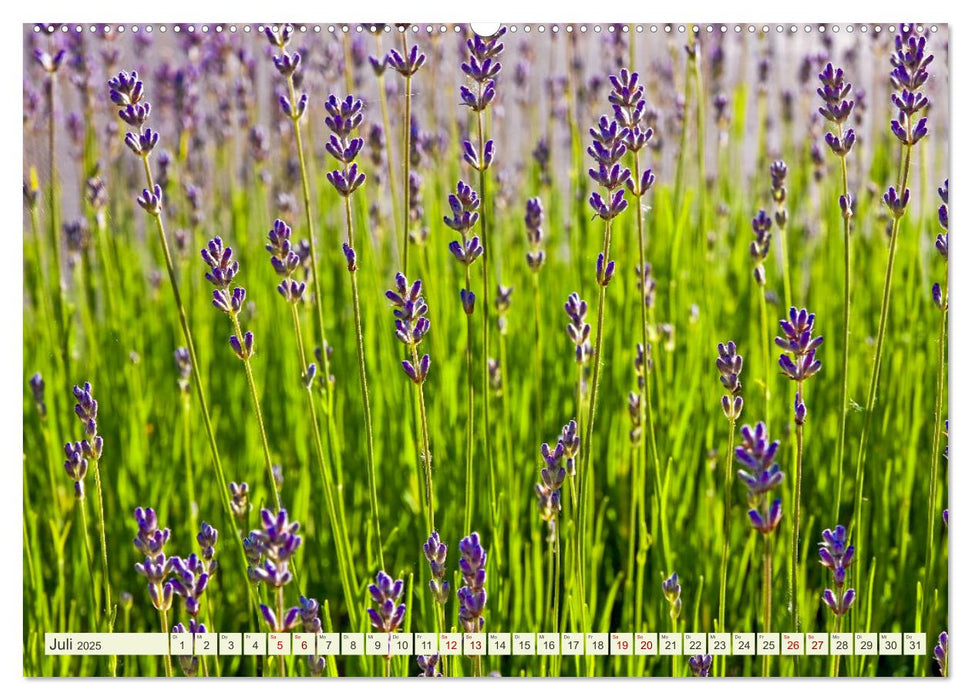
(487, 644)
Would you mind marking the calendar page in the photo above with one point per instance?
(465, 350)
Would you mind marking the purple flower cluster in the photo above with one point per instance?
(578, 329)
(836, 108)
(554, 473)
(435, 552)
(481, 68)
(191, 579)
(798, 341)
(836, 556)
(223, 268)
(150, 540)
(79, 453)
(285, 261)
(672, 593)
(940, 653)
(344, 117)
(411, 323)
(472, 596)
(269, 552)
(759, 248)
(239, 500)
(36, 383)
(287, 65)
(387, 614)
(700, 665)
(429, 666)
(761, 475)
(627, 99)
(729, 364)
(606, 149)
(908, 76)
(535, 256)
(464, 205)
(189, 663)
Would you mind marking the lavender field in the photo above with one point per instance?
(399, 328)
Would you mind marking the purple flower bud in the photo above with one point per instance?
(895, 203)
(351, 258)
(386, 614)
(940, 653)
(578, 329)
(468, 301)
(151, 201)
(243, 350)
(406, 66)
(604, 272)
(700, 665)
(800, 343)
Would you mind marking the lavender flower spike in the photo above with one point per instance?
(387, 614)
(672, 592)
(798, 341)
(700, 665)
(435, 552)
(472, 596)
(836, 556)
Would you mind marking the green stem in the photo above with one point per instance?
(766, 595)
(486, 323)
(365, 398)
(932, 513)
(470, 412)
(167, 659)
(797, 503)
(766, 361)
(723, 578)
(844, 378)
(346, 573)
(259, 415)
(426, 450)
(406, 156)
(108, 612)
(878, 353)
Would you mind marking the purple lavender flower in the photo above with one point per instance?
(150, 541)
(191, 579)
(836, 556)
(700, 665)
(239, 499)
(472, 596)
(908, 76)
(189, 663)
(759, 248)
(285, 261)
(76, 466)
(207, 537)
(411, 323)
(578, 329)
(535, 256)
(672, 592)
(761, 475)
(345, 116)
(429, 666)
(273, 547)
(435, 552)
(387, 614)
(464, 205)
(896, 203)
(406, 65)
(607, 148)
(183, 363)
(798, 341)
(729, 364)
(36, 383)
(552, 476)
(940, 653)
